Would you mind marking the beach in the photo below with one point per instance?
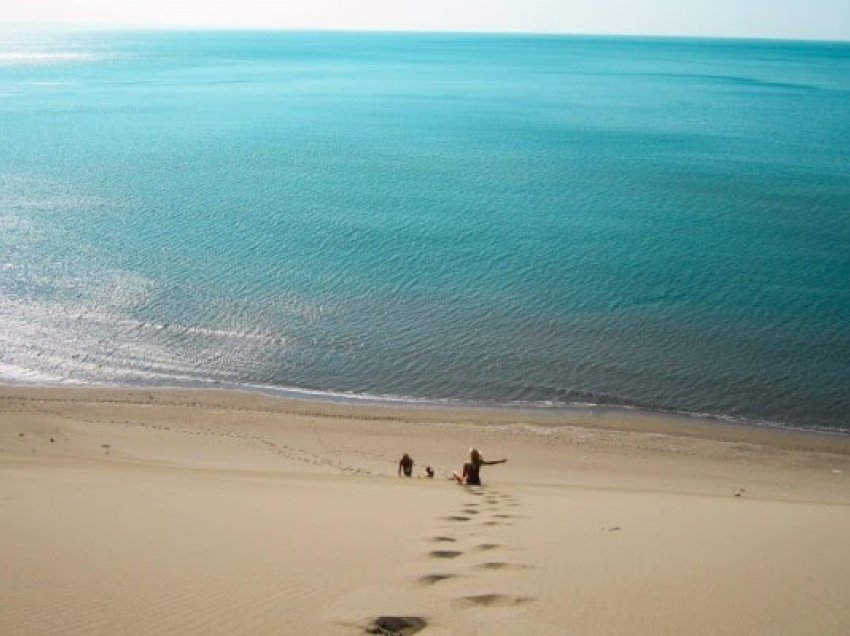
(215, 512)
(618, 262)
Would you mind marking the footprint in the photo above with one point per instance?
(455, 518)
(487, 546)
(445, 554)
(444, 539)
(470, 511)
(396, 625)
(430, 579)
(500, 565)
(496, 600)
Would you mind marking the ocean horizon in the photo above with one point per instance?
(647, 223)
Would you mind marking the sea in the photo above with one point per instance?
(547, 222)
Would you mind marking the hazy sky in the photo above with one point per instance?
(810, 19)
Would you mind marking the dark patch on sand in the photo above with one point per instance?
(444, 539)
(445, 554)
(487, 546)
(497, 600)
(500, 565)
(430, 579)
(396, 625)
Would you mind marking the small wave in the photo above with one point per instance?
(234, 335)
(54, 203)
(177, 377)
(542, 406)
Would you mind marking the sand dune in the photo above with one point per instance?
(191, 512)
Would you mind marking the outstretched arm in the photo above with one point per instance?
(497, 461)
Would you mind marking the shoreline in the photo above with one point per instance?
(326, 404)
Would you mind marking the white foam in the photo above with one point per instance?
(15, 374)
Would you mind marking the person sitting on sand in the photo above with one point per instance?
(429, 472)
(405, 464)
(471, 470)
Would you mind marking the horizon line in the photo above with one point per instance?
(79, 28)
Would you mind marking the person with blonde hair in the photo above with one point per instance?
(471, 475)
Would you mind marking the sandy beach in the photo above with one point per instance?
(212, 512)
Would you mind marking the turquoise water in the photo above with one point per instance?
(501, 219)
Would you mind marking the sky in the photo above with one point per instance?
(794, 19)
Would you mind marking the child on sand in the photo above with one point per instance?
(471, 475)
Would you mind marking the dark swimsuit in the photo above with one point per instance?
(470, 474)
